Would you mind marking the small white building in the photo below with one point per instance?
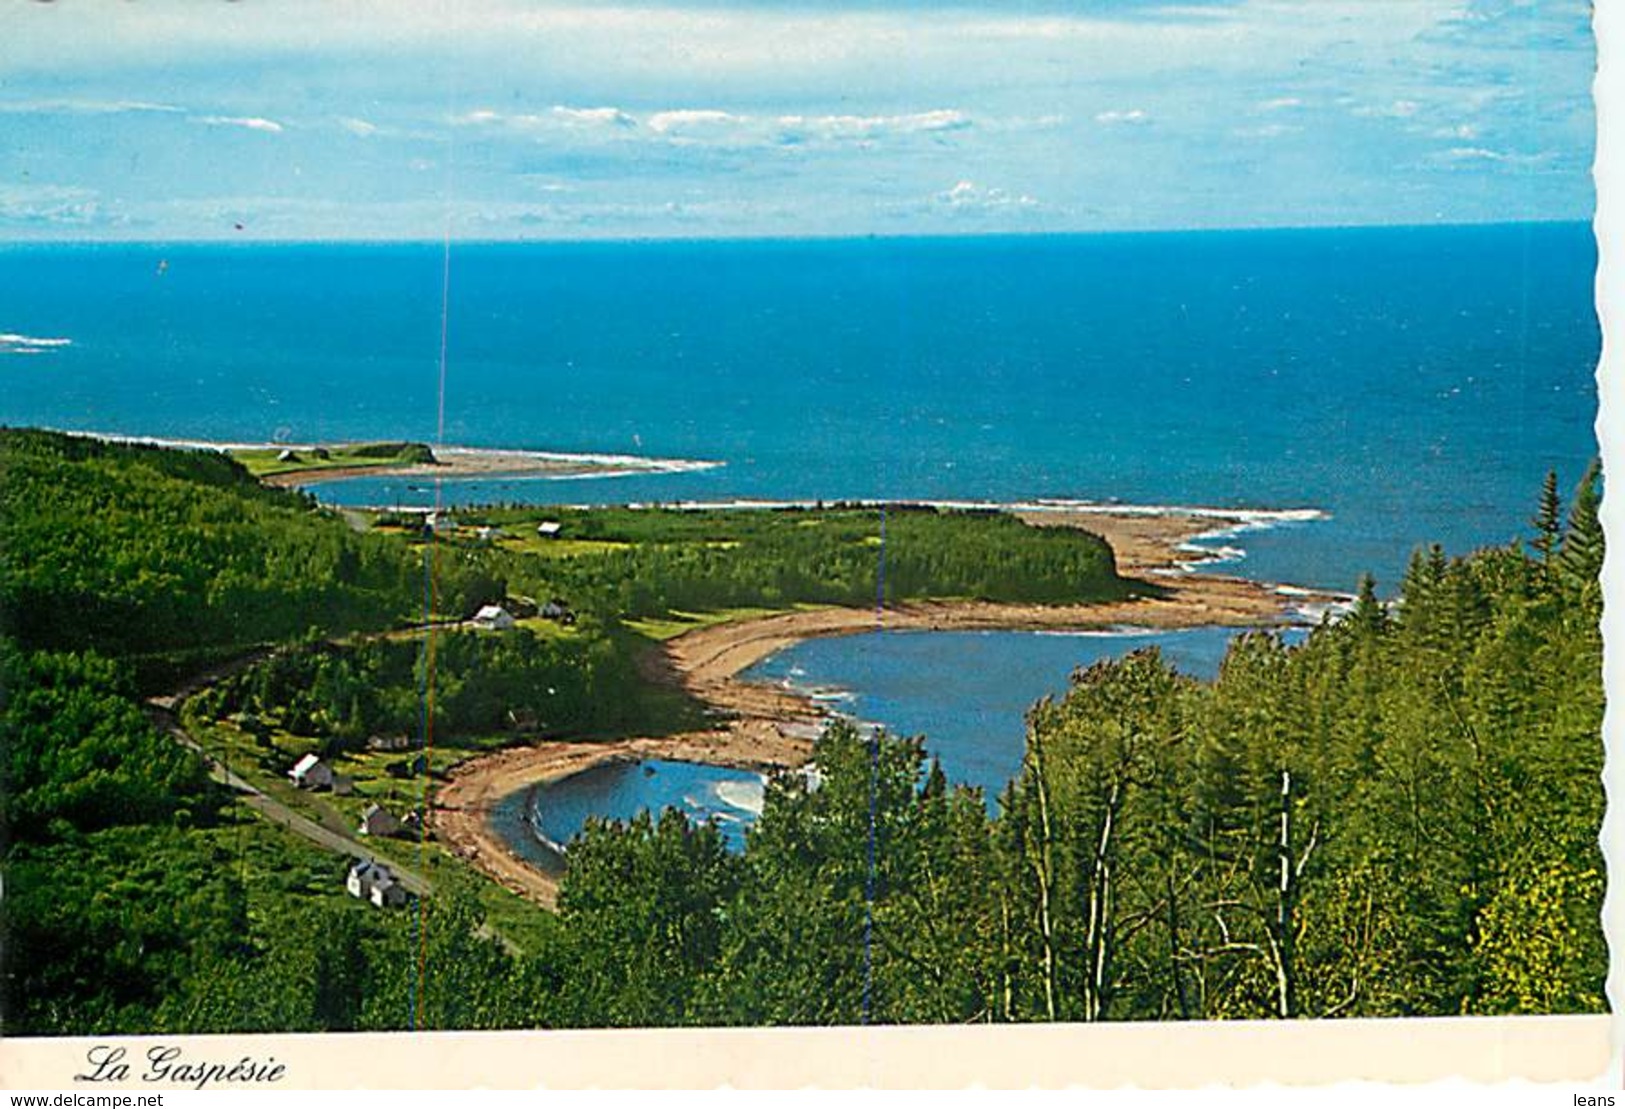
(494, 618)
(376, 883)
(311, 772)
(487, 534)
(377, 821)
(549, 529)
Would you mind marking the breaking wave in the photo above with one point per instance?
(13, 343)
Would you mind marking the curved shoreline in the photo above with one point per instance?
(763, 727)
(451, 462)
(463, 463)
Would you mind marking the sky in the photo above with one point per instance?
(410, 119)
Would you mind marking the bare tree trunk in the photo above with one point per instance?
(1174, 973)
(1006, 988)
(1286, 1001)
(1044, 870)
(1097, 941)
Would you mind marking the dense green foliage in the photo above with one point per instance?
(127, 549)
(137, 900)
(484, 683)
(667, 559)
(78, 753)
(1398, 817)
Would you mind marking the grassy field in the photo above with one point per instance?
(267, 461)
(528, 542)
(678, 622)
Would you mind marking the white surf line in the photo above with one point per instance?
(1256, 517)
(627, 462)
(12, 342)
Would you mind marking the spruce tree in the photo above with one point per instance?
(1548, 521)
(1369, 614)
(1580, 556)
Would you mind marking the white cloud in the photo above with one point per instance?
(682, 120)
(1466, 132)
(835, 128)
(1397, 109)
(251, 123)
(1266, 131)
(691, 126)
(1467, 155)
(872, 106)
(593, 117)
(51, 206)
(1473, 154)
(968, 196)
(84, 107)
(560, 117)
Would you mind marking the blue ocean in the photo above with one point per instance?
(1411, 385)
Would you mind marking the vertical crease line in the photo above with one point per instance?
(431, 567)
(874, 786)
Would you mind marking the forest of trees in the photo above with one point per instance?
(1398, 817)
(133, 550)
(585, 684)
(671, 559)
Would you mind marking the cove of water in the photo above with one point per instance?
(730, 799)
(967, 692)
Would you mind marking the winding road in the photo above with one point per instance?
(161, 710)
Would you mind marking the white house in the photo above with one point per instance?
(311, 772)
(375, 882)
(377, 821)
(494, 618)
(486, 534)
(549, 529)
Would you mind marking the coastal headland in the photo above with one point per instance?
(767, 727)
(290, 465)
(479, 462)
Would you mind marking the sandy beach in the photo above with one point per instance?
(766, 727)
(472, 462)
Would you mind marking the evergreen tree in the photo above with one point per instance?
(1548, 521)
(1581, 555)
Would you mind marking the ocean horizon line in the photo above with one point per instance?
(240, 241)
